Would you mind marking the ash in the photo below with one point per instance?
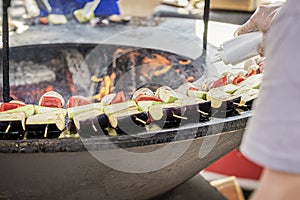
(28, 72)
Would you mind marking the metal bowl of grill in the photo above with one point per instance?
(127, 166)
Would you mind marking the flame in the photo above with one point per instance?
(156, 66)
(159, 59)
(49, 88)
(108, 86)
(184, 62)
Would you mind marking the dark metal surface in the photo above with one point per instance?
(78, 175)
(5, 55)
(196, 188)
(225, 16)
(64, 169)
(140, 32)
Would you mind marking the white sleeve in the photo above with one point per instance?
(272, 137)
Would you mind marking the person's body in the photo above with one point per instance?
(273, 133)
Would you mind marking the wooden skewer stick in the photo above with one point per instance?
(203, 113)
(139, 120)
(179, 117)
(25, 136)
(94, 127)
(46, 131)
(8, 127)
(238, 104)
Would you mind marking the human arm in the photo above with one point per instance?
(272, 134)
(277, 185)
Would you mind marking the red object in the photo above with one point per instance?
(238, 79)
(77, 101)
(235, 164)
(253, 72)
(53, 102)
(10, 105)
(220, 82)
(143, 97)
(120, 97)
(44, 20)
(193, 88)
(70, 81)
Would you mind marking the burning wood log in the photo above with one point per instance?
(155, 67)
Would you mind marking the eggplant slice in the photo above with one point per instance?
(199, 112)
(12, 125)
(91, 123)
(129, 122)
(46, 125)
(227, 108)
(167, 115)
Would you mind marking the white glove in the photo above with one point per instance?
(261, 20)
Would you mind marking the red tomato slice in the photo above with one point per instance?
(10, 105)
(253, 72)
(238, 79)
(220, 82)
(193, 88)
(143, 97)
(53, 102)
(120, 97)
(77, 101)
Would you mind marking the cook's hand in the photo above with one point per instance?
(261, 20)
